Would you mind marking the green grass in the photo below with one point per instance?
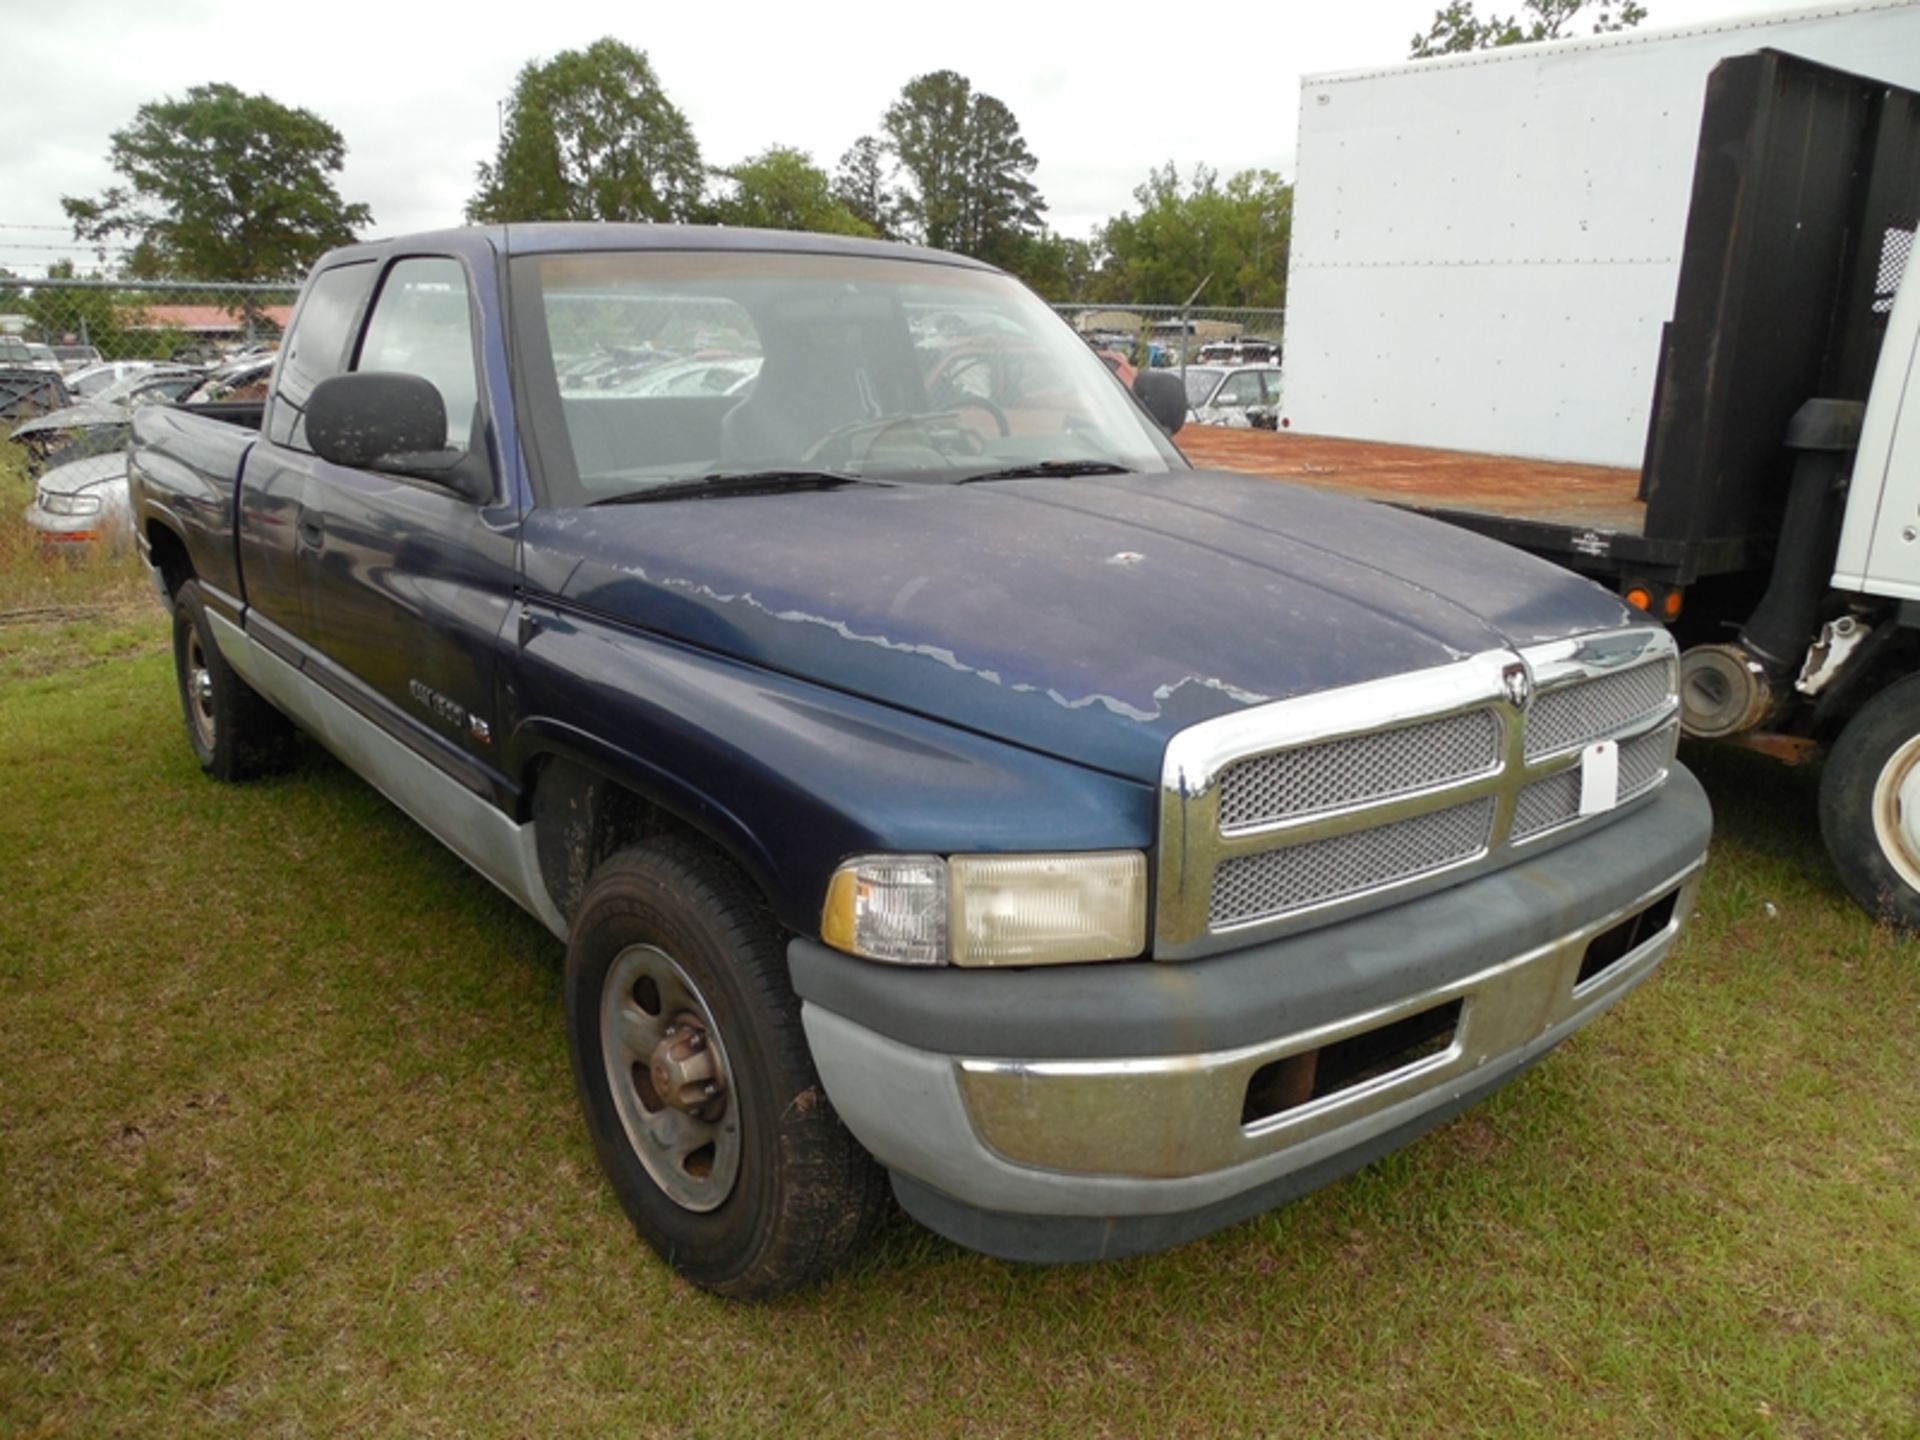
(288, 1145)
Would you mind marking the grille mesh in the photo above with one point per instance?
(1359, 768)
(1274, 882)
(1576, 715)
(1555, 801)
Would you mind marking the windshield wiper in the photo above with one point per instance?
(1045, 469)
(753, 482)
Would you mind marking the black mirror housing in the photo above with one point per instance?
(360, 419)
(1164, 394)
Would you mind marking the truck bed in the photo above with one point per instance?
(1589, 516)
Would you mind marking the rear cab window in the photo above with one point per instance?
(318, 346)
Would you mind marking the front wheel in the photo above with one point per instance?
(699, 1092)
(234, 733)
(1870, 805)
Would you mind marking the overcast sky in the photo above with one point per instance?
(1102, 92)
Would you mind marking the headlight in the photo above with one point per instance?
(55, 504)
(989, 909)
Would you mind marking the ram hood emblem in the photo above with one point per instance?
(1519, 685)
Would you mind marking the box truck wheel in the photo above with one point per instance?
(1870, 804)
(699, 1091)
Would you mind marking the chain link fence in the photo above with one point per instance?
(181, 321)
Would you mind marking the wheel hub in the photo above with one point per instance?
(684, 1073)
(666, 1069)
(200, 692)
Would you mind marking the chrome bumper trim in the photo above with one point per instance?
(1178, 1116)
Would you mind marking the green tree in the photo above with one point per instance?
(1457, 28)
(590, 135)
(1237, 232)
(968, 169)
(864, 184)
(782, 189)
(1058, 268)
(222, 185)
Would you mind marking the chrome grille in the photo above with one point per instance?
(1548, 804)
(1279, 816)
(1275, 882)
(1360, 768)
(1571, 716)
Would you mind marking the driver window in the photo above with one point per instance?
(421, 326)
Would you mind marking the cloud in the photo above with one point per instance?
(1101, 96)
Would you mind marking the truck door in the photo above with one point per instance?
(277, 471)
(411, 582)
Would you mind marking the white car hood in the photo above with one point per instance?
(78, 475)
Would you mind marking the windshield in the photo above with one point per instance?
(114, 390)
(99, 384)
(658, 368)
(1200, 382)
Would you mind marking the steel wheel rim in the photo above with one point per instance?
(693, 1155)
(199, 691)
(1896, 811)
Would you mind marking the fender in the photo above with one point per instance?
(789, 777)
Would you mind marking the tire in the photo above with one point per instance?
(758, 1188)
(234, 733)
(1870, 805)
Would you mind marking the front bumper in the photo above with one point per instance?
(1083, 1112)
(62, 530)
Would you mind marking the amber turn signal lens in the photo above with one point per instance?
(1670, 607)
(1640, 598)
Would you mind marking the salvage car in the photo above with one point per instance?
(26, 391)
(1226, 396)
(76, 358)
(81, 506)
(98, 425)
(962, 796)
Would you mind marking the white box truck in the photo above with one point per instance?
(1485, 245)
(1748, 378)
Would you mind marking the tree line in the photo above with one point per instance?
(225, 185)
(219, 184)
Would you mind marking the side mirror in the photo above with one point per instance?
(378, 420)
(363, 419)
(1163, 393)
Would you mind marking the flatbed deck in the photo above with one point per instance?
(1585, 497)
(1589, 517)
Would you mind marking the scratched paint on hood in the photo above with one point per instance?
(997, 607)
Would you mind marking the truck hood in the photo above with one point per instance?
(1086, 618)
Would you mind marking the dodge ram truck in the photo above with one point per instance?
(938, 784)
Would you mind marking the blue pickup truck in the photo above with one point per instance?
(937, 783)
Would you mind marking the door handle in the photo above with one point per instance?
(311, 532)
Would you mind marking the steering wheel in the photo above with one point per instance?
(964, 398)
(969, 441)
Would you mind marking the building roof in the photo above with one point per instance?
(209, 319)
